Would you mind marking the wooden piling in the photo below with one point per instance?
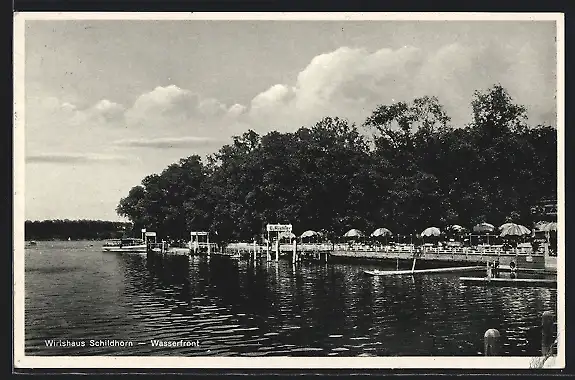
(547, 338)
(491, 342)
(277, 250)
(294, 252)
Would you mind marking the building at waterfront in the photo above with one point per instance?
(545, 209)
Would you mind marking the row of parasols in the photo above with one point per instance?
(506, 229)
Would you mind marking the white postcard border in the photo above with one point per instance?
(23, 361)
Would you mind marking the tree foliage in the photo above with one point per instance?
(416, 170)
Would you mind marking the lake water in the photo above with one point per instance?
(228, 307)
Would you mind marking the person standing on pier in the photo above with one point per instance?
(496, 268)
(513, 268)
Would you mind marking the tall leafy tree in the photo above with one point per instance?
(415, 171)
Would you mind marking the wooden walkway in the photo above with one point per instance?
(497, 281)
(422, 271)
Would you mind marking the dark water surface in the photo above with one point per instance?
(228, 307)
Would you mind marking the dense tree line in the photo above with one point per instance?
(411, 170)
(75, 229)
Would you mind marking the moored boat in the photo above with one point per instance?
(125, 245)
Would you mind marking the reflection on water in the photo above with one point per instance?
(233, 307)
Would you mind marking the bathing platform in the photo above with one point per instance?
(498, 281)
(422, 271)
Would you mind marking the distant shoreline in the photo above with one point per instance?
(63, 240)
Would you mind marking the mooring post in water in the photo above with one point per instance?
(208, 243)
(294, 251)
(547, 333)
(491, 342)
(397, 263)
(413, 266)
(277, 249)
(268, 250)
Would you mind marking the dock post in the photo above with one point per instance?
(491, 342)
(209, 245)
(294, 252)
(547, 333)
(277, 249)
(268, 258)
(413, 266)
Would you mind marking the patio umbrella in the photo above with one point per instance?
(504, 226)
(309, 233)
(456, 228)
(549, 227)
(515, 230)
(431, 231)
(287, 235)
(483, 227)
(353, 233)
(381, 232)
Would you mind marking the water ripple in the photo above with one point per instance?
(230, 307)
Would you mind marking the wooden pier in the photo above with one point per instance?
(421, 271)
(498, 281)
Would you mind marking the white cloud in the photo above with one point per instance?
(73, 158)
(211, 108)
(352, 82)
(320, 80)
(347, 82)
(108, 110)
(236, 110)
(167, 142)
(272, 97)
(68, 107)
(162, 102)
(173, 110)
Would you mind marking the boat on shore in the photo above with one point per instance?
(125, 245)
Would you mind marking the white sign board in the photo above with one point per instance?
(198, 234)
(279, 227)
(150, 234)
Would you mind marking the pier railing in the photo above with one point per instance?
(160, 247)
(403, 248)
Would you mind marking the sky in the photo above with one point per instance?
(111, 101)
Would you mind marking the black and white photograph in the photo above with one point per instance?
(289, 190)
